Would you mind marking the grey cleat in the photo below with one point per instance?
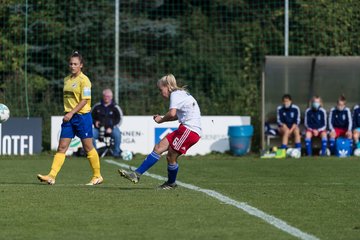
(131, 175)
(168, 186)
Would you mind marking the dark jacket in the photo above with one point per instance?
(340, 119)
(356, 117)
(288, 116)
(109, 116)
(315, 119)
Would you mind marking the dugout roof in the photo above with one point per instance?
(303, 77)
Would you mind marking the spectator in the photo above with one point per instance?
(288, 119)
(340, 122)
(107, 115)
(356, 126)
(315, 123)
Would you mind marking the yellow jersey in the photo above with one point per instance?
(75, 90)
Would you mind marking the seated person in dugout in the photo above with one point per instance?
(107, 116)
(288, 120)
(340, 122)
(356, 126)
(315, 122)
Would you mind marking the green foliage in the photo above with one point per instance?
(216, 48)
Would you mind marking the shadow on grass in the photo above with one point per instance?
(79, 186)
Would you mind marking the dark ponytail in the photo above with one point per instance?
(78, 55)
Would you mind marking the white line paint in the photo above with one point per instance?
(276, 222)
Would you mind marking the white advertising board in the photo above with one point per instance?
(140, 133)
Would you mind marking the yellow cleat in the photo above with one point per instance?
(47, 179)
(95, 181)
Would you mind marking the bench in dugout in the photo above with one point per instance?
(272, 137)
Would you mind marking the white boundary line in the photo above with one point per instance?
(276, 222)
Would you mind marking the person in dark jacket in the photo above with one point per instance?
(288, 120)
(356, 126)
(340, 122)
(315, 123)
(107, 117)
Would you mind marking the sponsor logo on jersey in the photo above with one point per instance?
(87, 92)
(68, 94)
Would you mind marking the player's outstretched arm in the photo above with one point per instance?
(169, 116)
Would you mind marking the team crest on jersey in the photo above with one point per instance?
(74, 85)
(87, 92)
(292, 115)
(343, 117)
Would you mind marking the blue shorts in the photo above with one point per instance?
(80, 125)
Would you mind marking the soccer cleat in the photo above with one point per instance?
(168, 186)
(132, 175)
(95, 181)
(48, 179)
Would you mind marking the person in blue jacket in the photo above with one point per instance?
(356, 125)
(315, 123)
(288, 120)
(340, 123)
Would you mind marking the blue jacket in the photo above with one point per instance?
(288, 116)
(108, 116)
(340, 119)
(315, 119)
(356, 117)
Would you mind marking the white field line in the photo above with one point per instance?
(276, 222)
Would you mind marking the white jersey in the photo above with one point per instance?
(187, 110)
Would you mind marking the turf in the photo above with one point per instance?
(320, 196)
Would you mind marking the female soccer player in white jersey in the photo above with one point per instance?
(183, 107)
(77, 121)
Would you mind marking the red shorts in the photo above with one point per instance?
(182, 139)
(312, 131)
(340, 132)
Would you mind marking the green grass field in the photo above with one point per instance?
(319, 196)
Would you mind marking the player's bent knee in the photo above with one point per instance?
(171, 159)
(158, 149)
(172, 156)
(62, 149)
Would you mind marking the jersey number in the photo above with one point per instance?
(176, 140)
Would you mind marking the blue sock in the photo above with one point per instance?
(283, 146)
(172, 172)
(149, 161)
(323, 146)
(308, 146)
(298, 145)
(351, 146)
(332, 145)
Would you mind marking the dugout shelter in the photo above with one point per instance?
(303, 77)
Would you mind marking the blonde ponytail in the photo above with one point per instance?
(170, 81)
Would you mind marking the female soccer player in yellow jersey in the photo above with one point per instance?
(77, 121)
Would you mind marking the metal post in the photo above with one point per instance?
(26, 58)
(286, 30)
(263, 146)
(116, 74)
(286, 45)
